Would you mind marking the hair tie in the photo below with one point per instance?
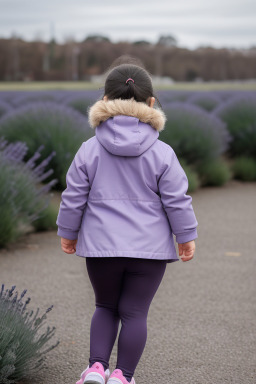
(129, 79)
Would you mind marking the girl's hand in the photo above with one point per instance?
(68, 246)
(186, 250)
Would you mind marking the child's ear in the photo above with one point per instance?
(150, 101)
(105, 98)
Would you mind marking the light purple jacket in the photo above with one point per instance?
(126, 190)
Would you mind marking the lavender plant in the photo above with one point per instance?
(22, 196)
(23, 343)
(215, 172)
(205, 100)
(193, 178)
(7, 96)
(24, 97)
(244, 168)
(4, 108)
(167, 97)
(65, 96)
(225, 94)
(80, 103)
(59, 128)
(194, 134)
(197, 137)
(239, 114)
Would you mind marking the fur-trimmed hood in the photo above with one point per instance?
(125, 127)
(103, 110)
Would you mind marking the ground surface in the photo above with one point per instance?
(201, 324)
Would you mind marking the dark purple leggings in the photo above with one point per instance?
(124, 288)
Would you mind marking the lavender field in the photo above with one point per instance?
(213, 134)
(214, 129)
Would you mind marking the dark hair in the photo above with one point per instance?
(117, 86)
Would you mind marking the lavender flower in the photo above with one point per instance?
(22, 349)
(80, 102)
(22, 197)
(239, 113)
(4, 108)
(24, 98)
(205, 100)
(167, 97)
(59, 128)
(194, 134)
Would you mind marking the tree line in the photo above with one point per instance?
(37, 60)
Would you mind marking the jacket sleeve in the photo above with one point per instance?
(73, 198)
(173, 186)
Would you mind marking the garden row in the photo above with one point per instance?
(212, 133)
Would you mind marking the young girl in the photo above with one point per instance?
(125, 198)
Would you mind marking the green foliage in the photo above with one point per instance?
(19, 200)
(240, 115)
(47, 219)
(244, 168)
(80, 104)
(194, 134)
(215, 173)
(21, 197)
(21, 337)
(205, 100)
(193, 179)
(8, 224)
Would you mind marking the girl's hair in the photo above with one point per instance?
(117, 87)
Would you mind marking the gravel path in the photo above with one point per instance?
(201, 323)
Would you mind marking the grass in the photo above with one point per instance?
(85, 85)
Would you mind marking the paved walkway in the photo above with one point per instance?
(201, 324)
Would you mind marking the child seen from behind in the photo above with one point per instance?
(126, 197)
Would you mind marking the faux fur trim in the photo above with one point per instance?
(103, 110)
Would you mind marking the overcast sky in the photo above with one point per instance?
(219, 23)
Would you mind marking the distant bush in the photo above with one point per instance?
(167, 97)
(195, 135)
(225, 94)
(47, 219)
(24, 97)
(21, 337)
(90, 94)
(214, 173)
(22, 198)
(205, 100)
(4, 108)
(239, 114)
(58, 128)
(80, 103)
(193, 179)
(244, 168)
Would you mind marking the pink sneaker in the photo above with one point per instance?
(117, 377)
(94, 375)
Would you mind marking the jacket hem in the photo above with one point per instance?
(139, 255)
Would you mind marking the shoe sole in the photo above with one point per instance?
(92, 382)
(94, 378)
(115, 380)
